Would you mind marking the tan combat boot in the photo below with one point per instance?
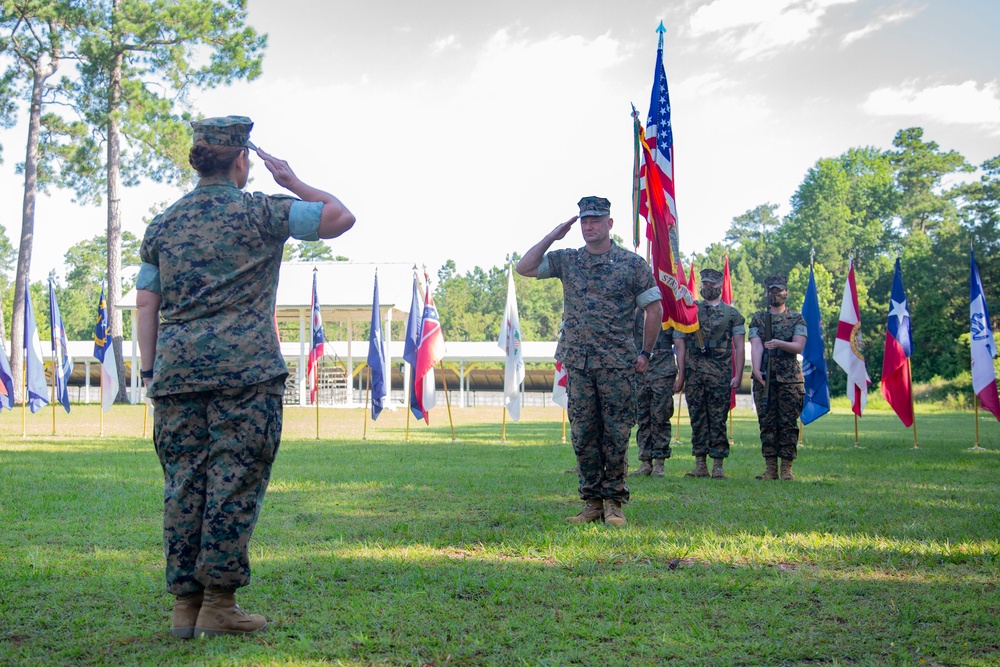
(657, 468)
(770, 468)
(186, 608)
(220, 615)
(700, 469)
(717, 469)
(786, 470)
(644, 469)
(592, 511)
(613, 514)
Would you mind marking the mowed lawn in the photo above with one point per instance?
(379, 551)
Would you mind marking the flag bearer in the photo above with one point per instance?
(663, 378)
(212, 364)
(777, 335)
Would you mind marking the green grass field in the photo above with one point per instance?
(440, 552)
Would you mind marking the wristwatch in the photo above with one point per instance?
(643, 353)
(146, 375)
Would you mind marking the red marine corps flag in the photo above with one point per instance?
(655, 185)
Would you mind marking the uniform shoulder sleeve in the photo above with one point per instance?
(756, 326)
(271, 214)
(552, 264)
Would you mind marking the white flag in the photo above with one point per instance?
(559, 396)
(510, 343)
(848, 350)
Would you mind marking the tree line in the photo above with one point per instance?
(917, 201)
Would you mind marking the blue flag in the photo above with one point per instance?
(62, 363)
(817, 387)
(37, 392)
(6, 382)
(105, 353)
(410, 347)
(376, 356)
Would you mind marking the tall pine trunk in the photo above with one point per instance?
(41, 73)
(115, 222)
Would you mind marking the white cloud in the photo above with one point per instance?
(877, 24)
(701, 85)
(965, 103)
(758, 29)
(445, 43)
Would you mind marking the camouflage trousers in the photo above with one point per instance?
(656, 408)
(779, 424)
(216, 449)
(708, 407)
(602, 404)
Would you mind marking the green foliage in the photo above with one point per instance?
(310, 251)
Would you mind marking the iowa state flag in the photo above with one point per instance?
(896, 385)
(984, 377)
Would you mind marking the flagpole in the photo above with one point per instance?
(913, 409)
(102, 408)
(677, 430)
(503, 429)
(364, 433)
(24, 399)
(856, 444)
(731, 441)
(975, 401)
(802, 427)
(145, 414)
(564, 425)
(408, 420)
(447, 399)
(53, 397)
(316, 389)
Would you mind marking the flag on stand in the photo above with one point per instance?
(6, 381)
(657, 202)
(410, 347)
(510, 343)
(376, 356)
(316, 351)
(727, 298)
(692, 281)
(848, 348)
(984, 377)
(429, 353)
(105, 353)
(62, 363)
(35, 378)
(559, 396)
(896, 384)
(817, 385)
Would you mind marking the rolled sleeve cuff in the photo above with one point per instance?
(800, 330)
(648, 297)
(148, 278)
(303, 220)
(739, 330)
(754, 333)
(543, 268)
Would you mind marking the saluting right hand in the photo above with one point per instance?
(561, 231)
(283, 174)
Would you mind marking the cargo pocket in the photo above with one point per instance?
(272, 412)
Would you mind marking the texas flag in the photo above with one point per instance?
(984, 377)
(896, 383)
(847, 349)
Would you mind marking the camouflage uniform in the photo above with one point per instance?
(218, 375)
(779, 427)
(709, 373)
(656, 394)
(600, 294)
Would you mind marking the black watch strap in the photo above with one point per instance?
(146, 375)
(643, 353)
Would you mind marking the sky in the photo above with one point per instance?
(467, 131)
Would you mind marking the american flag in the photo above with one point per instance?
(318, 343)
(660, 138)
